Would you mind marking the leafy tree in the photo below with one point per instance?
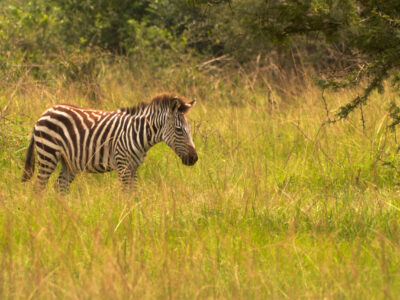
(365, 32)
(98, 22)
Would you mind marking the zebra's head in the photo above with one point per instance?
(177, 133)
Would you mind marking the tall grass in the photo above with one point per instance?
(278, 205)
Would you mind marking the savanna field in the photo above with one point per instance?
(280, 205)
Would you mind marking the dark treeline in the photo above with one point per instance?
(344, 41)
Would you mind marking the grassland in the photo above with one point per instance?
(277, 207)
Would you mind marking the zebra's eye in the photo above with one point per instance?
(178, 130)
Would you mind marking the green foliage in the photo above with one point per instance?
(26, 31)
(346, 42)
(369, 31)
(99, 23)
(365, 36)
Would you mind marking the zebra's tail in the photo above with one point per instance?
(29, 162)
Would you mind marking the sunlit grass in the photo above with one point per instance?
(277, 206)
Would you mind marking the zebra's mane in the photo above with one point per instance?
(161, 100)
(134, 110)
(166, 99)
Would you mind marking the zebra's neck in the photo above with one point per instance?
(146, 130)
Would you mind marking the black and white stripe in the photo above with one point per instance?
(100, 141)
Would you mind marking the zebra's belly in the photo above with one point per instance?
(93, 167)
(99, 170)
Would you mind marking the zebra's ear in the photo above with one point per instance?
(185, 107)
(175, 104)
(193, 103)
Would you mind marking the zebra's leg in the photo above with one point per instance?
(65, 178)
(46, 166)
(127, 174)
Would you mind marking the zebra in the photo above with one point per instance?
(97, 141)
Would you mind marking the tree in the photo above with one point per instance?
(368, 32)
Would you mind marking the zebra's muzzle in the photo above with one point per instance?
(191, 158)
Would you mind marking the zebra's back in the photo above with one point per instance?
(84, 138)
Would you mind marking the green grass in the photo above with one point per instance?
(276, 207)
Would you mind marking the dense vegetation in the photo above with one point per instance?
(353, 40)
(293, 196)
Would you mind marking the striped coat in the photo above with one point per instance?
(98, 141)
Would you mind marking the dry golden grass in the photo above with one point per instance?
(277, 206)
